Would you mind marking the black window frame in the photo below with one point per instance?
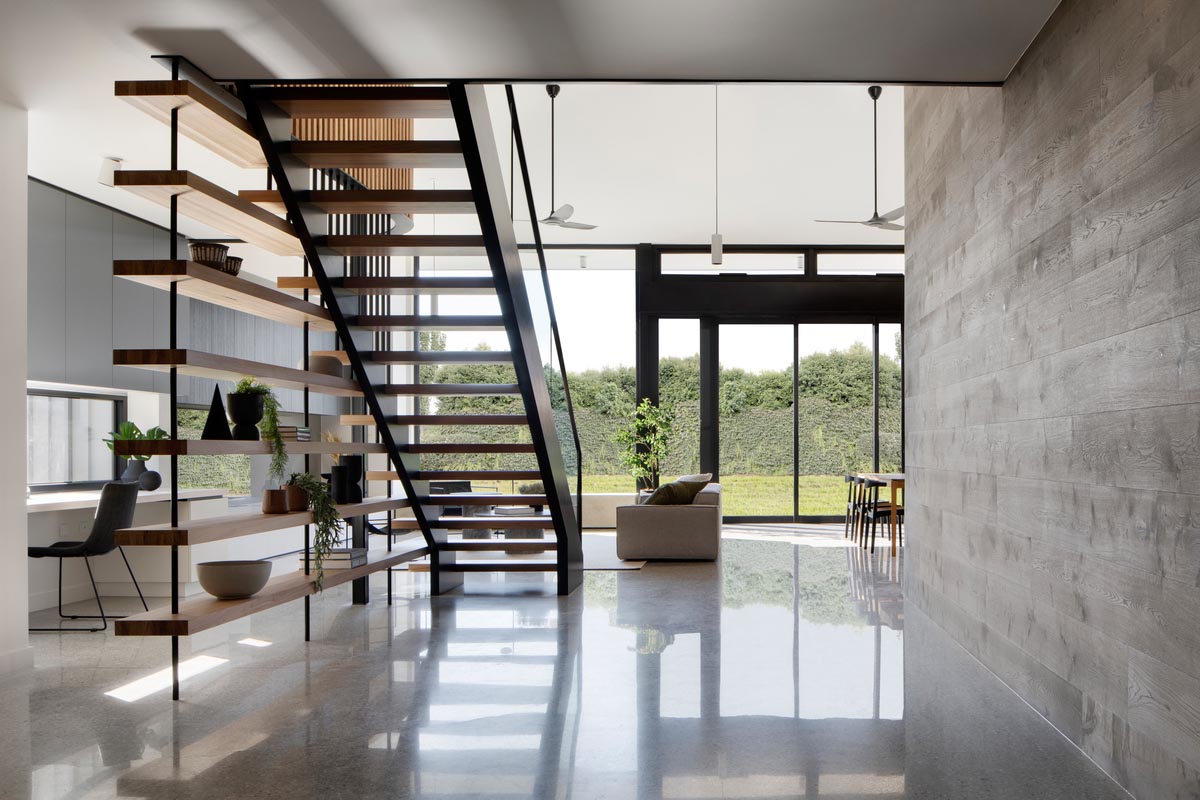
(119, 416)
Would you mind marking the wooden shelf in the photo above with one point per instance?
(215, 529)
(208, 365)
(361, 102)
(207, 203)
(202, 117)
(203, 613)
(236, 447)
(199, 282)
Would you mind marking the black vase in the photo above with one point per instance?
(246, 411)
(353, 465)
(149, 480)
(134, 470)
(339, 486)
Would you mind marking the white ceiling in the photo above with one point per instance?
(635, 159)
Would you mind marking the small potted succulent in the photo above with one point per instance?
(297, 498)
(135, 467)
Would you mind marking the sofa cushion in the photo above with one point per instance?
(703, 477)
(675, 493)
(710, 495)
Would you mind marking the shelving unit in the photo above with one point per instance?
(225, 368)
(202, 117)
(200, 282)
(203, 613)
(215, 529)
(207, 203)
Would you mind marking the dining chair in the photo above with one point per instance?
(875, 510)
(114, 512)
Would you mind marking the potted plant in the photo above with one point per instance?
(326, 520)
(256, 399)
(135, 467)
(297, 498)
(647, 442)
(533, 487)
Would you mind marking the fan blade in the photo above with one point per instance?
(551, 220)
(894, 214)
(582, 226)
(888, 226)
(843, 221)
(401, 223)
(564, 211)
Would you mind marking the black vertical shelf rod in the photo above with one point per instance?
(174, 388)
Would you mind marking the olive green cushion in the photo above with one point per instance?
(675, 493)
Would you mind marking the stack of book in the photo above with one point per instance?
(340, 558)
(295, 433)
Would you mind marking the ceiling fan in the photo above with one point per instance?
(886, 222)
(560, 216)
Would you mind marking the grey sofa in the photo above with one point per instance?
(680, 533)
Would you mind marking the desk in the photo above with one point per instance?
(895, 483)
(40, 502)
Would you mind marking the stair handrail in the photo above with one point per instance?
(519, 146)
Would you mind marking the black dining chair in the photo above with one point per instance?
(115, 511)
(876, 510)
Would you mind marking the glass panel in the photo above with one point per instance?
(65, 439)
(202, 472)
(679, 389)
(733, 264)
(835, 413)
(890, 399)
(860, 264)
(755, 407)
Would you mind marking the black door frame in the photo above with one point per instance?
(803, 298)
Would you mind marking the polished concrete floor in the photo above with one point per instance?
(791, 669)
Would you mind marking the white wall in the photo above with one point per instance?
(15, 652)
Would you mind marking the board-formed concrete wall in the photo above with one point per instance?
(1053, 379)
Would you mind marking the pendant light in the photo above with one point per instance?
(717, 242)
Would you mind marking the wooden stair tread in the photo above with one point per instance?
(407, 244)
(459, 474)
(226, 447)
(205, 202)
(483, 500)
(203, 118)
(209, 365)
(467, 447)
(435, 322)
(489, 566)
(200, 282)
(505, 545)
(203, 613)
(438, 356)
(361, 102)
(377, 154)
(396, 285)
(370, 201)
(440, 419)
(478, 523)
(213, 529)
(449, 389)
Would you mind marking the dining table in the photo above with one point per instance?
(894, 481)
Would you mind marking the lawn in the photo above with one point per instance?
(755, 495)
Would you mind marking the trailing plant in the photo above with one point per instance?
(326, 521)
(269, 425)
(129, 432)
(647, 441)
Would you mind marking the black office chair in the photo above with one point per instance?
(115, 511)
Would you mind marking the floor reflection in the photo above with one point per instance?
(777, 673)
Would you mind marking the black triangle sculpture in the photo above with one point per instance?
(217, 426)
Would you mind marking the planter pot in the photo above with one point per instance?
(246, 411)
(353, 465)
(232, 265)
(233, 580)
(325, 365)
(149, 480)
(275, 501)
(297, 498)
(210, 254)
(134, 470)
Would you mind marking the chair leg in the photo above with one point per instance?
(95, 590)
(133, 577)
(874, 525)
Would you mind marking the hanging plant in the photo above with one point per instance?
(269, 427)
(326, 520)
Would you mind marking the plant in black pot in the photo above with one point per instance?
(135, 467)
(533, 487)
(326, 522)
(251, 402)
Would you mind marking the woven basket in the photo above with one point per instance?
(210, 254)
(233, 265)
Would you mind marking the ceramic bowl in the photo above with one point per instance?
(233, 580)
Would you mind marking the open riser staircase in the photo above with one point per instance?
(347, 232)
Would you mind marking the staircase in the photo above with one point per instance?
(346, 230)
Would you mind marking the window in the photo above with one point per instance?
(65, 439)
(860, 264)
(700, 263)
